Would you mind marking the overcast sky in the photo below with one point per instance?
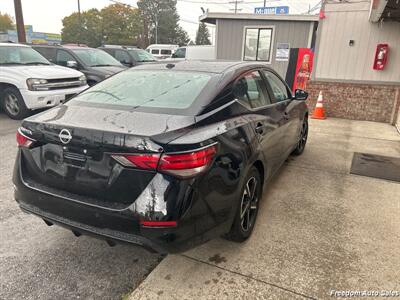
(46, 15)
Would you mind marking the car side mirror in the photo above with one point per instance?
(300, 94)
(72, 64)
(174, 56)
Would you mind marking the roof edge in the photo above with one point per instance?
(211, 17)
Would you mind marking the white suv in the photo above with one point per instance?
(28, 81)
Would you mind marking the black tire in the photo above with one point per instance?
(247, 211)
(13, 104)
(303, 138)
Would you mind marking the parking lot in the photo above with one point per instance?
(319, 230)
(41, 262)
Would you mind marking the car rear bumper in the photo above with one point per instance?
(109, 235)
(42, 99)
(112, 226)
(115, 225)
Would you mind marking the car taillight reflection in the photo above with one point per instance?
(140, 161)
(158, 223)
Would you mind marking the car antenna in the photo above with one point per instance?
(170, 66)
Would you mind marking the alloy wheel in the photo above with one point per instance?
(248, 207)
(11, 104)
(303, 136)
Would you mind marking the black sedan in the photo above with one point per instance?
(166, 156)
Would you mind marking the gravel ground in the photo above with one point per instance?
(41, 262)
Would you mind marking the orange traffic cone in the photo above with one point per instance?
(319, 112)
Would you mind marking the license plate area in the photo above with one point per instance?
(74, 159)
(81, 157)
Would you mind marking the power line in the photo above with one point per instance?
(226, 2)
(236, 2)
(315, 7)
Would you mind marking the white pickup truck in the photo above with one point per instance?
(28, 81)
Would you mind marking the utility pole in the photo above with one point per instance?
(19, 18)
(80, 21)
(236, 9)
(157, 28)
(156, 20)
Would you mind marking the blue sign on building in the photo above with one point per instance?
(273, 10)
(32, 37)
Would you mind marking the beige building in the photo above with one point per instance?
(347, 40)
(345, 43)
(236, 33)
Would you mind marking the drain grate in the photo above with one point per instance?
(377, 166)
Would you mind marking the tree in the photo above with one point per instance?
(6, 22)
(161, 18)
(114, 24)
(181, 37)
(88, 31)
(202, 35)
(121, 25)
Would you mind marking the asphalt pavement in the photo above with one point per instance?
(41, 262)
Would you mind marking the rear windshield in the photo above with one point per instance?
(148, 88)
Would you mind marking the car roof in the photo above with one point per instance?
(62, 46)
(118, 47)
(121, 48)
(76, 47)
(13, 45)
(209, 66)
(163, 46)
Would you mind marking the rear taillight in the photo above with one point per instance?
(183, 164)
(23, 140)
(187, 164)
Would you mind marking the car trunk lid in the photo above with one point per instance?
(76, 159)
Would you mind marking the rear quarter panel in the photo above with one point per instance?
(218, 191)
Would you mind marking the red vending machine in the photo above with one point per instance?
(299, 68)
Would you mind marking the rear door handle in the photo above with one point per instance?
(259, 128)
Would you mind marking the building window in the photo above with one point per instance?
(257, 44)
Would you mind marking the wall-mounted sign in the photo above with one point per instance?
(33, 37)
(282, 51)
(273, 10)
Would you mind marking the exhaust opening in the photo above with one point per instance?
(48, 223)
(76, 233)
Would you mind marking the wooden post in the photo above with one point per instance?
(19, 18)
